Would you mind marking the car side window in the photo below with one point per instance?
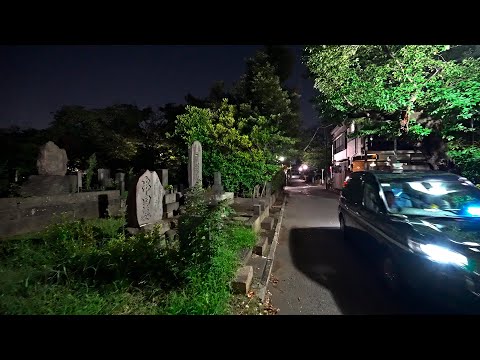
(371, 197)
(353, 191)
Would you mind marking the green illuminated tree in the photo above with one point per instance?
(239, 156)
(399, 90)
(244, 129)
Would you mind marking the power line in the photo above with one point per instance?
(320, 127)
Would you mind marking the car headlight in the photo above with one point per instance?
(439, 253)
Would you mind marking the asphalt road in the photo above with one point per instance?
(315, 272)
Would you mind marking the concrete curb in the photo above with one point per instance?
(271, 255)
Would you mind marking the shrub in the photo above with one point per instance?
(209, 256)
(278, 181)
(92, 267)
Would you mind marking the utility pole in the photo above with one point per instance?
(326, 141)
(326, 144)
(326, 160)
(395, 150)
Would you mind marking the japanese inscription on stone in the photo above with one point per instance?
(149, 198)
(195, 164)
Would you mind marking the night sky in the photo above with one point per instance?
(37, 80)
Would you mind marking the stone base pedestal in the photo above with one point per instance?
(41, 185)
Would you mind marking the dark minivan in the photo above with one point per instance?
(422, 227)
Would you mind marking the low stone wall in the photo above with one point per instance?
(256, 220)
(24, 215)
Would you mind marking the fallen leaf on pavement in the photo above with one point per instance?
(269, 309)
(274, 280)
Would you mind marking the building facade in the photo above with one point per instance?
(350, 153)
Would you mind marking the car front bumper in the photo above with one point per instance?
(449, 284)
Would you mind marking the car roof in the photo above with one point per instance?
(412, 175)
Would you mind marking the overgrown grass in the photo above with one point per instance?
(208, 289)
(93, 267)
(55, 299)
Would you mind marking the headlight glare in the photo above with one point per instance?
(439, 254)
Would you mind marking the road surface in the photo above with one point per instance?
(316, 273)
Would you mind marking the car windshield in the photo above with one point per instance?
(431, 197)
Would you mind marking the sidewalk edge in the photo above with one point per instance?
(262, 292)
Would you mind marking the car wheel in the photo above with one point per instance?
(344, 228)
(390, 274)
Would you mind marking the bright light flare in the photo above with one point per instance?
(443, 255)
(474, 210)
(431, 188)
(439, 254)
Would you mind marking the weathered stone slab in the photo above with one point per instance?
(44, 185)
(52, 160)
(172, 207)
(104, 177)
(120, 180)
(243, 280)
(164, 177)
(23, 215)
(145, 200)
(169, 214)
(170, 198)
(217, 183)
(260, 247)
(267, 223)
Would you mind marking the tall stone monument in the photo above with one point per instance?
(217, 183)
(51, 178)
(120, 179)
(164, 177)
(104, 177)
(218, 192)
(194, 164)
(79, 180)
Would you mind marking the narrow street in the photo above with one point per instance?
(316, 273)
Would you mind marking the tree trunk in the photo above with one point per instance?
(434, 149)
(433, 146)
